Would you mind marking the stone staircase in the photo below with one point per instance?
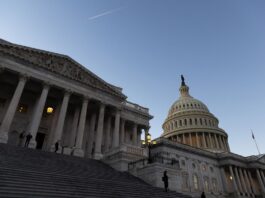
(32, 173)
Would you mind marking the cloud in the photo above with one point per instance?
(105, 13)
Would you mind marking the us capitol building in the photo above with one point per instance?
(196, 154)
(55, 99)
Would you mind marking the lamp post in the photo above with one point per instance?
(148, 142)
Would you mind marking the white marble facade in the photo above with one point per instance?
(90, 117)
(196, 154)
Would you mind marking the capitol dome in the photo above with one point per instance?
(189, 121)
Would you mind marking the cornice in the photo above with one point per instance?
(59, 64)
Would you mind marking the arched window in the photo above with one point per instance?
(206, 184)
(195, 182)
(196, 121)
(185, 181)
(200, 121)
(180, 123)
(176, 124)
(185, 122)
(205, 121)
(172, 126)
(214, 184)
(190, 121)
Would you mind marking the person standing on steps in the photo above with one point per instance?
(28, 138)
(203, 195)
(56, 146)
(165, 180)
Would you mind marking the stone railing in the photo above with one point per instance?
(130, 149)
(168, 162)
(136, 107)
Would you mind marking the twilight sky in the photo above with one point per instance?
(144, 46)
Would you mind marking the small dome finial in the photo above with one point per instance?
(182, 80)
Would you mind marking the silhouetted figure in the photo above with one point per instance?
(203, 195)
(56, 146)
(21, 138)
(28, 138)
(165, 180)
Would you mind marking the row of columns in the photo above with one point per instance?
(242, 181)
(204, 140)
(78, 124)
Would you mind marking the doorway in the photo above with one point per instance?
(39, 140)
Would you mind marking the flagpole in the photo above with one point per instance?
(255, 141)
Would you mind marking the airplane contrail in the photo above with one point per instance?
(104, 13)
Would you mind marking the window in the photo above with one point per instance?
(195, 121)
(22, 108)
(195, 182)
(193, 166)
(211, 169)
(203, 167)
(200, 121)
(206, 184)
(185, 181)
(185, 122)
(214, 184)
(183, 162)
(190, 121)
(176, 124)
(180, 123)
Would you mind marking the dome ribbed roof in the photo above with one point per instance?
(186, 103)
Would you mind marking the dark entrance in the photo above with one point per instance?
(39, 140)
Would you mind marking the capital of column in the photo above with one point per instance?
(67, 92)
(46, 84)
(23, 77)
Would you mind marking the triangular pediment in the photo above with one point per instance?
(59, 64)
(261, 158)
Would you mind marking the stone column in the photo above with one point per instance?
(116, 132)
(91, 136)
(227, 145)
(247, 182)
(233, 180)
(203, 140)
(11, 110)
(211, 140)
(139, 138)
(262, 176)
(81, 128)
(184, 138)
(135, 134)
(122, 131)
(190, 139)
(220, 143)
(243, 181)
(251, 182)
(197, 141)
(238, 180)
(224, 179)
(61, 119)
(37, 115)
(216, 141)
(74, 127)
(224, 143)
(98, 154)
(260, 182)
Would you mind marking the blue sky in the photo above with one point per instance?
(144, 46)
